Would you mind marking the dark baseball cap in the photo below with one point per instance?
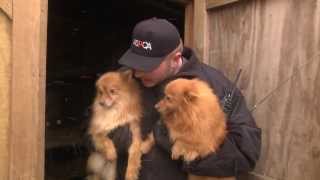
(152, 40)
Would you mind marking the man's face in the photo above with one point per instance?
(152, 78)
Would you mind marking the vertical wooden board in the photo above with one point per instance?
(273, 40)
(6, 6)
(28, 90)
(188, 24)
(200, 30)
(5, 71)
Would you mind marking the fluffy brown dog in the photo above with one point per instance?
(194, 118)
(117, 103)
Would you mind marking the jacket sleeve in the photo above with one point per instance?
(240, 150)
(121, 138)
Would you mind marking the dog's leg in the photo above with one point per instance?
(109, 171)
(134, 159)
(109, 149)
(147, 144)
(100, 168)
(177, 150)
(95, 163)
(105, 145)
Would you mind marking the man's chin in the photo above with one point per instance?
(148, 83)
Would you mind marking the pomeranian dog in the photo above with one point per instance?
(196, 123)
(117, 103)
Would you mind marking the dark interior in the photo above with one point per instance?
(85, 39)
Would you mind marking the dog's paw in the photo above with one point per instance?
(111, 154)
(190, 156)
(145, 148)
(95, 162)
(175, 156)
(131, 175)
(176, 152)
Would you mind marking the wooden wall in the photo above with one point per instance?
(5, 49)
(277, 43)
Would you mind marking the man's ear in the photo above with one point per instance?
(127, 74)
(175, 61)
(177, 57)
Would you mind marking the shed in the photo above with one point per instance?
(275, 42)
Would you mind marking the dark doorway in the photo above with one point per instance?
(85, 39)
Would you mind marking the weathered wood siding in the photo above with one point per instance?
(273, 40)
(5, 49)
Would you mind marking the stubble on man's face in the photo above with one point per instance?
(154, 77)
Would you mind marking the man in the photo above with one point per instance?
(157, 56)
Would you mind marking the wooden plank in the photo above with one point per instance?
(216, 3)
(5, 71)
(28, 90)
(272, 41)
(200, 30)
(6, 6)
(188, 25)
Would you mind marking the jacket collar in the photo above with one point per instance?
(188, 70)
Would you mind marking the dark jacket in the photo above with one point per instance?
(238, 154)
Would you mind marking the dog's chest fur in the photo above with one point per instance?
(109, 119)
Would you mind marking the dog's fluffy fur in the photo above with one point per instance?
(194, 118)
(117, 103)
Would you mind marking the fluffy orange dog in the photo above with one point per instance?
(117, 103)
(194, 118)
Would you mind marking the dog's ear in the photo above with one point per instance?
(127, 74)
(190, 95)
(190, 91)
(97, 85)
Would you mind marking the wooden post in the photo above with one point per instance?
(5, 73)
(188, 24)
(26, 145)
(200, 30)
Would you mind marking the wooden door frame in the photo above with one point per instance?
(27, 100)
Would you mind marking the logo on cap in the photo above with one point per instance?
(142, 44)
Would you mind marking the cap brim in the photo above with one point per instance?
(138, 62)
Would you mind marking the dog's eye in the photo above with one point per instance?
(168, 98)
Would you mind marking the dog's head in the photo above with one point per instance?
(112, 87)
(178, 96)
